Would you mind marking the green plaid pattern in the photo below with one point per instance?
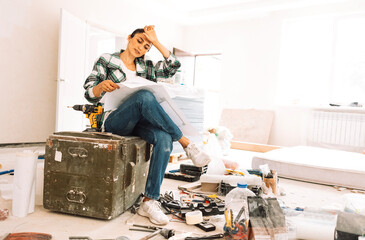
(108, 67)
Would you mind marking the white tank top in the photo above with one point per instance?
(128, 73)
(112, 99)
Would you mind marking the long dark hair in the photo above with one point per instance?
(138, 30)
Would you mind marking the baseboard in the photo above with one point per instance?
(20, 145)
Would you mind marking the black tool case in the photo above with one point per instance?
(96, 175)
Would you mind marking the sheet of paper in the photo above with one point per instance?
(113, 99)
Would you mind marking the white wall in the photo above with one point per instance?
(251, 50)
(29, 48)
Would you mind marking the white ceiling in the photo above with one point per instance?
(209, 11)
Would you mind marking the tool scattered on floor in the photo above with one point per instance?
(181, 176)
(166, 233)
(208, 206)
(137, 204)
(225, 188)
(89, 238)
(235, 228)
(80, 238)
(192, 170)
(7, 171)
(235, 172)
(187, 173)
(206, 226)
(211, 209)
(215, 236)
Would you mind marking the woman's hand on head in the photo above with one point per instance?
(150, 33)
(109, 86)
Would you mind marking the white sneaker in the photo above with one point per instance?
(152, 210)
(198, 156)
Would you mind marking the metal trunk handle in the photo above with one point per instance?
(131, 173)
(76, 196)
(77, 152)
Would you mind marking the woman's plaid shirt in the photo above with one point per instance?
(108, 66)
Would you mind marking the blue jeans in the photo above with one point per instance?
(141, 115)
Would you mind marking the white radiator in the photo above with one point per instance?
(339, 130)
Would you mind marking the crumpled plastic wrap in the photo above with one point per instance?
(267, 220)
(4, 213)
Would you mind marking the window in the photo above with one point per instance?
(322, 61)
(208, 72)
(208, 77)
(349, 60)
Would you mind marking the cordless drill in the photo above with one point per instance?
(91, 112)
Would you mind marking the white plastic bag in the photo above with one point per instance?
(224, 137)
(354, 203)
(212, 147)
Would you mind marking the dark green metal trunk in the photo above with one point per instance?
(94, 174)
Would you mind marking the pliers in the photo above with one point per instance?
(229, 228)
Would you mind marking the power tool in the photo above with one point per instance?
(91, 112)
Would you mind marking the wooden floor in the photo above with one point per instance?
(61, 226)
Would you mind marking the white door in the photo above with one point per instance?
(71, 66)
(81, 43)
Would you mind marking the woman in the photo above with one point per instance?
(141, 114)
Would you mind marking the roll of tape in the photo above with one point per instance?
(194, 217)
